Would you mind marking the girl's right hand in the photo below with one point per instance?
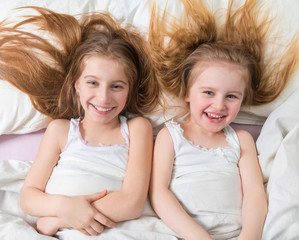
(79, 214)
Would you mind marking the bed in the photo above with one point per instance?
(274, 126)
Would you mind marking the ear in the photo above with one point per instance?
(77, 87)
(186, 98)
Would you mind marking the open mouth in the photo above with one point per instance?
(102, 109)
(214, 116)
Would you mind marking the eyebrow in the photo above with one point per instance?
(229, 92)
(117, 80)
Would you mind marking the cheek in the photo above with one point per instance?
(235, 108)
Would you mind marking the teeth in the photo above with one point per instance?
(102, 109)
(211, 115)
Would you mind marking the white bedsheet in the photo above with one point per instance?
(278, 147)
(15, 225)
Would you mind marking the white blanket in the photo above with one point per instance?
(16, 225)
(278, 147)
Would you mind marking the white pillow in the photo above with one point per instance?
(17, 113)
(136, 12)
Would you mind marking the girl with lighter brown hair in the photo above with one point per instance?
(88, 76)
(206, 179)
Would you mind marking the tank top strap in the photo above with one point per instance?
(232, 137)
(73, 132)
(124, 128)
(175, 131)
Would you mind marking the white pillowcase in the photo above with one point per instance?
(18, 115)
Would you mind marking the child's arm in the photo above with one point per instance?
(77, 212)
(50, 225)
(163, 201)
(254, 207)
(128, 203)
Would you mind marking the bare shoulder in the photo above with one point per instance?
(57, 130)
(140, 125)
(244, 136)
(58, 126)
(164, 140)
(246, 141)
(164, 134)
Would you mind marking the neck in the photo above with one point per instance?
(87, 125)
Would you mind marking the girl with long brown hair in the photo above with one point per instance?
(87, 74)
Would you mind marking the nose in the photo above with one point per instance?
(218, 103)
(103, 95)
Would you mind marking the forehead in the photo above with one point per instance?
(103, 67)
(219, 72)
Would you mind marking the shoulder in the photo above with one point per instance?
(244, 135)
(164, 133)
(140, 124)
(57, 130)
(164, 136)
(56, 125)
(245, 138)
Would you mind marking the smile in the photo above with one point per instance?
(214, 116)
(102, 109)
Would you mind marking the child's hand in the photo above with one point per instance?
(79, 213)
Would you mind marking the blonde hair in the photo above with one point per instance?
(179, 45)
(46, 68)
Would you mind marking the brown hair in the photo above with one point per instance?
(240, 40)
(46, 68)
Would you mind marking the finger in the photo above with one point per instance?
(97, 227)
(104, 220)
(84, 232)
(91, 231)
(96, 196)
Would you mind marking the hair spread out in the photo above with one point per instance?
(45, 61)
(241, 39)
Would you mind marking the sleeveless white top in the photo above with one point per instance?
(207, 183)
(85, 169)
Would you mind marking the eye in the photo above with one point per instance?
(231, 96)
(117, 86)
(210, 93)
(92, 83)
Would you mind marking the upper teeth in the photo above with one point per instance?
(214, 116)
(102, 109)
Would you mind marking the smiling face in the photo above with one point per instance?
(215, 94)
(103, 89)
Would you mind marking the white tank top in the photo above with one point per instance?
(86, 169)
(207, 183)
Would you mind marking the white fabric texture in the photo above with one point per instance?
(278, 155)
(84, 169)
(207, 183)
(16, 111)
(16, 225)
(283, 191)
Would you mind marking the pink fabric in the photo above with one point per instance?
(20, 146)
(25, 146)
(253, 129)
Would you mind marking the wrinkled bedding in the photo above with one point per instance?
(278, 147)
(16, 225)
(277, 144)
